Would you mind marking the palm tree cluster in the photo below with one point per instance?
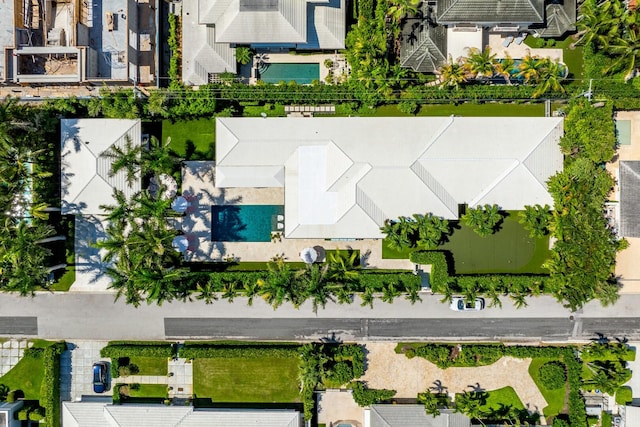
(425, 231)
(611, 27)
(484, 220)
(481, 66)
(536, 220)
(24, 258)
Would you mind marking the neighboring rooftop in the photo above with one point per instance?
(423, 45)
(92, 414)
(487, 12)
(85, 173)
(630, 198)
(414, 415)
(343, 177)
(307, 24)
(560, 18)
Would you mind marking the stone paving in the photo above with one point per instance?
(11, 352)
(408, 377)
(76, 366)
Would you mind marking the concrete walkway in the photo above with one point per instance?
(11, 352)
(387, 369)
(179, 380)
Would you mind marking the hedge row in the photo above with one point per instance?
(364, 396)
(229, 351)
(441, 278)
(137, 349)
(50, 389)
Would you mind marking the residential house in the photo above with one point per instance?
(8, 412)
(95, 414)
(78, 41)
(343, 177)
(412, 415)
(213, 28)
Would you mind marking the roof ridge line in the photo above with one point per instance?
(497, 181)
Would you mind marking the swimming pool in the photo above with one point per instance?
(244, 223)
(302, 74)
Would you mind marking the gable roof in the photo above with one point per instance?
(92, 414)
(490, 11)
(344, 176)
(414, 415)
(423, 47)
(560, 18)
(630, 198)
(85, 174)
(307, 23)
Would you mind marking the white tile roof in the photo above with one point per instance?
(91, 414)
(344, 176)
(86, 182)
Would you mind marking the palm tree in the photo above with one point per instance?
(536, 220)
(159, 158)
(430, 402)
(431, 230)
(367, 297)
(452, 74)
(505, 67)
(243, 55)
(484, 220)
(480, 63)
(529, 68)
(626, 51)
(398, 9)
(314, 279)
(552, 72)
(390, 292)
(207, 291)
(343, 266)
(396, 237)
(127, 158)
(471, 403)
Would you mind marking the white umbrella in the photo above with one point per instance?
(170, 185)
(180, 204)
(309, 255)
(180, 243)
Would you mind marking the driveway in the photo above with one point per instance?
(77, 375)
(408, 377)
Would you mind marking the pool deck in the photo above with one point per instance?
(199, 188)
(519, 51)
(340, 66)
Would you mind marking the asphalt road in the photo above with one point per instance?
(95, 316)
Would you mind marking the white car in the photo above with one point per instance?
(459, 304)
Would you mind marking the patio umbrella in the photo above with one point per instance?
(180, 243)
(180, 204)
(309, 255)
(170, 185)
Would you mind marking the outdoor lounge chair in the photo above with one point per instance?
(507, 41)
(520, 38)
(280, 226)
(280, 218)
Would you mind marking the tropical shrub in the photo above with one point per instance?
(624, 395)
(230, 351)
(553, 375)
(364, 396)
(174, 51)
(137, 349)
(484, 220)
(609, 351)
(536, 220)
(50, 389)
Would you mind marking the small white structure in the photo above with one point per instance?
(309, 255)
(86, 179)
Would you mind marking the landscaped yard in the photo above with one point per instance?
(505, 397)
(150, 365)
(191, 139)
(27, 375)
(510, 250)
(469, 110)
(246, 380)
(149, 390)
(555, 398)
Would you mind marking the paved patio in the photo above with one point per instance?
(518, 51)
(408, 377)
(338, 405)
(11, 352)
(198, 186)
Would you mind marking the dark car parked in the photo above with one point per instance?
(100, 377)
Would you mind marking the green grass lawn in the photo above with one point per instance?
(505, 396)
(27, 374)
(468, 109)
(554, 398)
(191, 139)
(151, 365)
(149, 390)
(510, 250)
(246, 380)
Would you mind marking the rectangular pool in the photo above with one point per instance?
(302, 74)
(244, 223)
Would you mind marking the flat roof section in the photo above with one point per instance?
(108, 36)
(7, 38)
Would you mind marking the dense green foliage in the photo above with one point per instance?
(553, 375)
(609, 351)
(50, 393)
(231, 350)
(484, 220)
(137, 349)
(624, 395)
(426, 231)
(364, 396)
(173, 42)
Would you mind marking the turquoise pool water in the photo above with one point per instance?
(302, 74)
(244, 223)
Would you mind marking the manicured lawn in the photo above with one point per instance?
(469, 109)
(27, 374)
(555, 398)
(506, 396)
(246, 380)
(149, 390)
(150, 365)
(510, 250)
(191, 139)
